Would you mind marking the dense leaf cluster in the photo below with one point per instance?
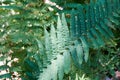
(87, 39)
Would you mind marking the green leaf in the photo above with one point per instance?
(55, 70)
(48, 46)
(11, 7)
(40, 46)
(39, 61)
(57, 64)
(107, 29)
(85, 48)
(53, 37)
(8, 1)
(30, 76)
(3, 67)
(65, 29)
(15, 69)
(60, 35)
(105, 35)
(67, 61)
(80, 53)
(60, 67)
(60, 73)
(98, 37)
(81, 21)
(47, 42)
(93, 40)
(115, 21)
(30, 65)
(74, 56)
(78, 25)
(2, 58)
(109, 24)
(72, 24)
(7, 75)
(116, 15)
(102, 31)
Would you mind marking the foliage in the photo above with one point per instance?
(21, 23)
(77, 43)
(95, 32)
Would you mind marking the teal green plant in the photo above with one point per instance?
(35, 40)
(93, 36)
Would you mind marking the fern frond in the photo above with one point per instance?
(57, 66)
(53, 37)
(66, 33)
(59, 41)
(60, 29)
(48, 45)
